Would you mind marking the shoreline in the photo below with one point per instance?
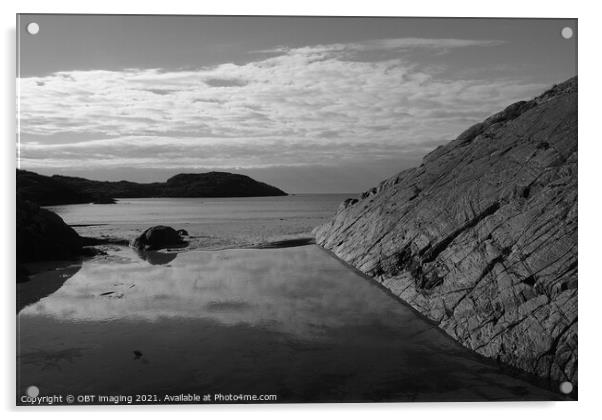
(44, 279)
(509, 370)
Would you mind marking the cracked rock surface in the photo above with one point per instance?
(482, 236)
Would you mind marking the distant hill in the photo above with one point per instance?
(58, 189)
(45, 190)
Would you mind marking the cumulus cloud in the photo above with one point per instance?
(310, 105)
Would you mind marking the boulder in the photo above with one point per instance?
(43, 235)
(158, 237)
(482, 237)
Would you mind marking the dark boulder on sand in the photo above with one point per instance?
(158, 237)
(43, 235)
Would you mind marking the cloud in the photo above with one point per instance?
(225, 82)
(315, 104)
(392, 44)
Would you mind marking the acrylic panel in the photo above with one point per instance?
(289, 209)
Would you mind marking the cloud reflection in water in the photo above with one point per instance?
(301, 291)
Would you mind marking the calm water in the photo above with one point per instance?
(213, 223)
(291, 322)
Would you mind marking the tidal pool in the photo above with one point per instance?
(292, 322)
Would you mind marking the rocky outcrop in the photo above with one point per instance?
(158, 237)
(48, 191)
(42, 235)
(482, 237)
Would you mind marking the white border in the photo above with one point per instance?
(590, 155)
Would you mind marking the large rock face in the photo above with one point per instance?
(482, 237)
(42, 235)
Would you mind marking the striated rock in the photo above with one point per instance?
(158, 237)
(482, 237)
(42, 235)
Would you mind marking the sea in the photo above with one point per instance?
(228, 320)
(212, 223)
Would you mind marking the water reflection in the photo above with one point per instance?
(293, 322)
(299, 291)
(44, 283)
(157, 257)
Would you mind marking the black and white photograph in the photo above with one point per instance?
(221, 209)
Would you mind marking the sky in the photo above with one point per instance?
(308, 104)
